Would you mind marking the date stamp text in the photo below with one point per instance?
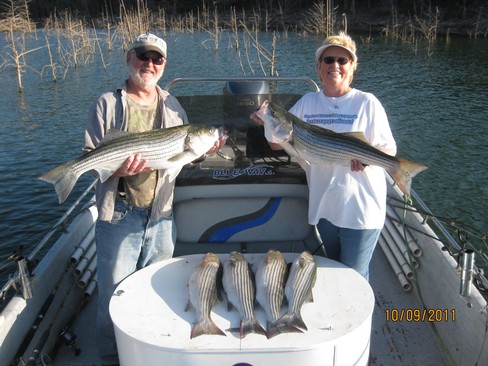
(420, 315)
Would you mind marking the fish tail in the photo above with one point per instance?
(291, 323)
(251, 326)
(205, 327)
(63, 178)
(404, 173)
(274, 328)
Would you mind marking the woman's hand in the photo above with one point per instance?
(254, 117)
(357, 166)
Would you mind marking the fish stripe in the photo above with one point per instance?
(156, 147)
(162, 148)
(276, 289)
(203, 295)
(245, 290)
(302, 284)
(340, 150)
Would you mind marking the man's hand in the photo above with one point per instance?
(217, 146)
(132, 166)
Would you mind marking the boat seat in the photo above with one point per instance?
(226, 223)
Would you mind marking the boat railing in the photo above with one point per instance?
(307, 80)
(430, 218)
(20, 278)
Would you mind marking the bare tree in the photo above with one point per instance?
(17, 24)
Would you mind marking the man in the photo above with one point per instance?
(135, 224)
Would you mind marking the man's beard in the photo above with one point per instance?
(136, 77)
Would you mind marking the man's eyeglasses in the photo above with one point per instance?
(329, 60)
(156, 60)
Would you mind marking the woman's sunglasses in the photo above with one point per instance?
(329, 60)
(156, 60)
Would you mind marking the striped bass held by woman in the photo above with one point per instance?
(318, 145)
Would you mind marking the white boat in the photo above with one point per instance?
(421, 306)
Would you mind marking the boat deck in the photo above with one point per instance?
(392, 343)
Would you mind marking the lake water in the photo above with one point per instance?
(436, 105)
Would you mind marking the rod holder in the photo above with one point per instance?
(24, 278)
(467, 265)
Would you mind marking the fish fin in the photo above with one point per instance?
(230, 306)
(357, 135)
(251, 276)
(173, 173)
(112, 134)
(309, 297)
(291, 323)
(251, 326)
(189, 306)
(275, 328)
(206, 326)
(63, 179)
(220, 296)
(184, 155)
(272, 330)
(104, 174)
(404, 173)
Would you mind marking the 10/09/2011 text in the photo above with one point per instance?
(420, 315)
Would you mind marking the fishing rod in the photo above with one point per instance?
(30, 261)
(40, 316)
(32, 361)
(36, 353)
(67, 336)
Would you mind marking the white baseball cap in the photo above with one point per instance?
(343, 41)
(149, 42)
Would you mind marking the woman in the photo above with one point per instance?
(348, 204)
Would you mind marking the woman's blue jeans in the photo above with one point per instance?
(126, 244)
(354, 248)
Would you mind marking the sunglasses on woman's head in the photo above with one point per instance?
(144, 57)
(329, 60)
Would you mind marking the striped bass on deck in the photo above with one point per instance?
(298, 291)
(203, 287)
(316, 145)
(168, 148)
(271, 275)
(238, 282)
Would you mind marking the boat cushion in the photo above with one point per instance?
(241, 219)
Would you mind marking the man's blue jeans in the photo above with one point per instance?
(126, 244)
(354, 248)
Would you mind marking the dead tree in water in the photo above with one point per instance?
(17, 24)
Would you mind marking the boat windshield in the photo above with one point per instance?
(229, 103)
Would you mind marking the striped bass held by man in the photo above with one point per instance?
(169, 148)
(239, 285)
(316, 145)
